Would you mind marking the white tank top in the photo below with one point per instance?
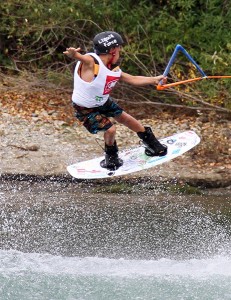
(96, 92)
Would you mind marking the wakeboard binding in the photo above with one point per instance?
(152, 146)
(112, 161)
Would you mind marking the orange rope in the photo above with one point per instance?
(168, 85)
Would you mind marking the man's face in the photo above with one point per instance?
(116, 54)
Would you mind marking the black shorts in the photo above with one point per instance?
(97, 118)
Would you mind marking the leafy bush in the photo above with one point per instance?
(35, 33)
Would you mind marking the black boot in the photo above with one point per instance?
(152, 145)
(112, 161)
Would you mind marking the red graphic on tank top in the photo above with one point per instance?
(110, 83)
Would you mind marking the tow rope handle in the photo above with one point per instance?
(178, 48)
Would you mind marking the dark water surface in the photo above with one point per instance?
(69, 241)
(74, 220)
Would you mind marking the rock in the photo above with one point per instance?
(203, 119)
(226, 132)
(32, 147)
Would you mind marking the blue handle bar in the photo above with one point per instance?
(177, 49)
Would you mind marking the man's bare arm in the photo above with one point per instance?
(74, 53)
(141, 80)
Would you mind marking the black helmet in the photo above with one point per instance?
(106, 40)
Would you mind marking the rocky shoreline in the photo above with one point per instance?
(39, 148)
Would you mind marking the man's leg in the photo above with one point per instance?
(109, 135)
(130, 122)
(153, 146)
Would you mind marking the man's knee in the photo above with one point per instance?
(111, 130)
(122, 118)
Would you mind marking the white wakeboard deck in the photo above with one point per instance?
(135, 159)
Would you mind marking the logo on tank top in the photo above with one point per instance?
(110, 83)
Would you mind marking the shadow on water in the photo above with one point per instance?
(72, 219)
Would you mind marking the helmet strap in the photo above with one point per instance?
(110, 61)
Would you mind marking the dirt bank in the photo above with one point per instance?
(40, 137)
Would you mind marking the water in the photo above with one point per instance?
(65, 241)
(44, 276)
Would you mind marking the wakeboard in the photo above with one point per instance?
(135, 159)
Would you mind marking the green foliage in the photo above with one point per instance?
(34, 33)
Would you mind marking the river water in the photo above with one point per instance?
(69, 241)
